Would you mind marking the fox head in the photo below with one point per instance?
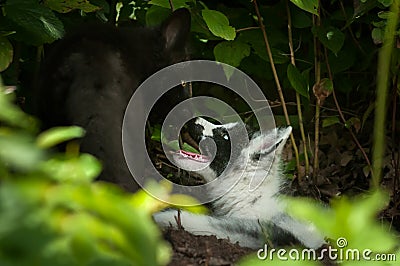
(262, 151)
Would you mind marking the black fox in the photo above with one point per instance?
(89, 76)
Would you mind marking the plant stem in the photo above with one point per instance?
(384, 59)
(298, 99)
(317, 62)
(395, 155)
(278, 85)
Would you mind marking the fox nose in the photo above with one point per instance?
(195, 130)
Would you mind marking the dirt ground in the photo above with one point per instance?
(191, 250)
(202, 250)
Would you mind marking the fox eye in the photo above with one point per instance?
(226, 137)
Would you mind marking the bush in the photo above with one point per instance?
(51, 211)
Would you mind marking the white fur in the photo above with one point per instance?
(209, 225)
(241, 211)
(208, 127)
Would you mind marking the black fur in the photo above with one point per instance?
(89, 76)
(220, 136)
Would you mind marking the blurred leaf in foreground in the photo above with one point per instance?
(52, 214)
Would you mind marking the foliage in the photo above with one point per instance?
(172, 144)
(349, 225)
(331, 46)
(53, 214)
(350, 219)
(334, 40)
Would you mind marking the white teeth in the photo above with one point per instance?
(193, 156)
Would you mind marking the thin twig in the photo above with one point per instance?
(247, 28)
(278, 85)
(317, 63)
(395, 159)
(328, 67)
(298, 100)
(349, 28)
(171, 5)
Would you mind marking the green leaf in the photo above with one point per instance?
(189, 148)
(34, 23)
(18, 151)
(150, 204)
(12, 115)
(383, 15)
(256, 41)
(367, 113)
(379, 24)
(377, 35)
(83, 168)
(6, 53)
(187, 202)
(364, 7)
(165, 3)
(156, 133)
(323, 89)
(218, 24)
(353, 122)
(297, 81)
(231, 53)
(220, 109)
(83, 240)
(173, 144)
(343, 60)
(301, 20)
(326, 84)
(329, 121)
(66, 220)
(386, 3)
(332, 38)
(63, 6)
(290, 166)
(160, 3)
(155, 15)
(349, 219)
(307, 5)
(278, 56)
(69, 222)
(57, 135)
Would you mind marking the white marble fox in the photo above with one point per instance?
(250, 218)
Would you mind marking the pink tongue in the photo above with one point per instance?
(194, 156)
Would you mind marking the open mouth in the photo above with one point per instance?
(193, 156)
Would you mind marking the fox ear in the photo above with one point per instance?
(274, 141)
(175, 30)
